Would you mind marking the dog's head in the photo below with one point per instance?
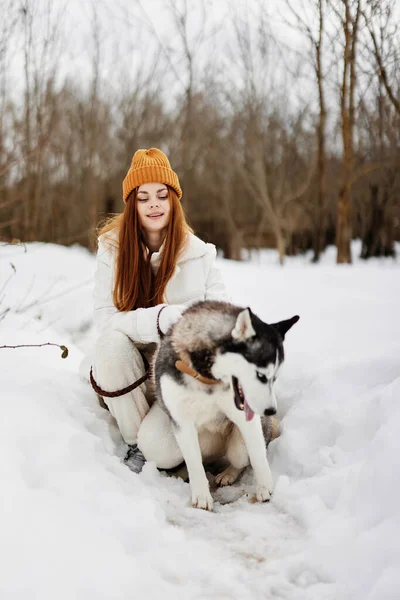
(251, 357)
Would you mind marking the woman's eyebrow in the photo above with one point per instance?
(164, 189)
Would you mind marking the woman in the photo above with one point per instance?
(149, 267)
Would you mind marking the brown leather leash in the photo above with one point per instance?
(126, 389)
(179, 364)
(133, 385)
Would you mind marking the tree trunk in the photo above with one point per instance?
(344, 224)
(320, 226)
(378, 239)
(343, 227)
(281, 245)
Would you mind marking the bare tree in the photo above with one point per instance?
(92, 124)
(37, 121)
(190, 45)
(268, 161)
(350, 19)
(315, 36)
(382, 12)
(7, 158)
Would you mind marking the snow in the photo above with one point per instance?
(76, 523)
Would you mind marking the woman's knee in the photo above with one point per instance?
(113, 342)
(114, 347)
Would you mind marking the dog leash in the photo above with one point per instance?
(126, 389)
(133, 385)
(180, 365)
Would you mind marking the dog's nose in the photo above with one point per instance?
(268, 412)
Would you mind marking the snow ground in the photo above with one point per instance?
(76, 523)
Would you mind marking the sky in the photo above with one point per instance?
(129, 31)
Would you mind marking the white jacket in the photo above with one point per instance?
(196, 277)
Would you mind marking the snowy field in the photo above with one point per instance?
(76, 524)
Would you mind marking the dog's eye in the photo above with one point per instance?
(261, 377)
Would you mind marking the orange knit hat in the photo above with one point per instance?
(149, 166)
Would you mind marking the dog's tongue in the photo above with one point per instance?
(248, 412)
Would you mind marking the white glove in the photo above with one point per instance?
(169, 315)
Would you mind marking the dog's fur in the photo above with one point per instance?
(232, 418)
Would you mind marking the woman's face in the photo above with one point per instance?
(153, 206)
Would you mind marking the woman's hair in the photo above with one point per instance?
(136, 286)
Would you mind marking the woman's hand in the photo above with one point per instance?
(169, 315)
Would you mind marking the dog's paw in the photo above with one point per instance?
(263, 493)
(228, 476)
(264, 486)
(224, 479)
(202, 500)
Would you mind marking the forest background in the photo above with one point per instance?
(282, 118)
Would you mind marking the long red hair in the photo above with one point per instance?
(136, 286)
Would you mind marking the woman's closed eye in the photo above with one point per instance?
(158, 198)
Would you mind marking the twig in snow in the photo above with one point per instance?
(63, 348)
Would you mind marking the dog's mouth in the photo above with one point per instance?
(240, 399)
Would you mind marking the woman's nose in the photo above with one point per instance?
(154, 203)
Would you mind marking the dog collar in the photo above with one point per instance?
(184, 368)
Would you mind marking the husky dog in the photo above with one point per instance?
(214, 373)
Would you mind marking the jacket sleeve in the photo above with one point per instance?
(139, 325)
(215, 287)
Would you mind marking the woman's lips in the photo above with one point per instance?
(156, 216)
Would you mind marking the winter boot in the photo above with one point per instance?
(134, 458)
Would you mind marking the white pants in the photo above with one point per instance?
(118, 363)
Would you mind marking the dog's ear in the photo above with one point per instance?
(283, 326)
(243, 329)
